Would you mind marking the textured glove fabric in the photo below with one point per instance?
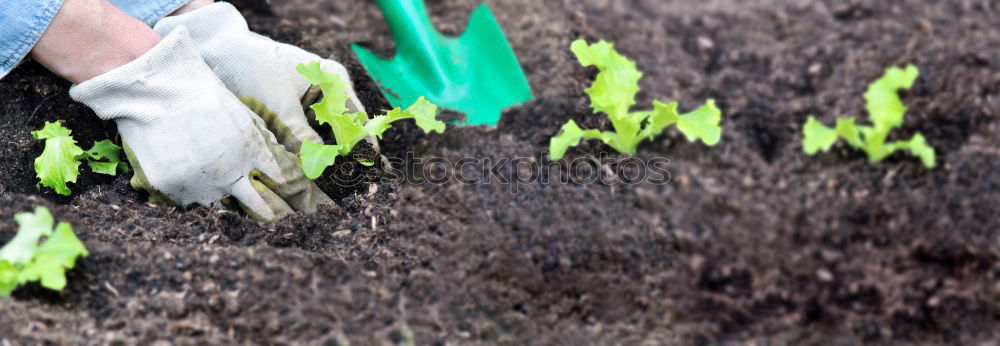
(255, 66)
(192, 141)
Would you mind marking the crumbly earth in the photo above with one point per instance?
(751, 241)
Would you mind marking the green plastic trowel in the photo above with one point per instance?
(476, 73)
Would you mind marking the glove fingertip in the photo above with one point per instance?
(258, 201)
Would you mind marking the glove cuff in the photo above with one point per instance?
(205, 24)
(160, 81)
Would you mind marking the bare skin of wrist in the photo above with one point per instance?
(90, 37)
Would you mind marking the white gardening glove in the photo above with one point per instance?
(255, 66)
(190, 140)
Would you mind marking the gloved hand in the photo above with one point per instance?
(192, 141)
(255, 66)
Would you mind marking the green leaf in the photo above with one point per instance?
(31, 227)
(614, 90)
(816, 136)
(847, 130)
(423, 112)
(378, 125)
(109, 168)
(8, 278)
(57, 254)
(24, 260)
(885, 108)
(702, 123)
(335, 97)
(317, 157)
(58, 163)
(663, 115)
(918, 147)
(62, 247)
(627, 131)
(366, 163)
(569, 136)
(51, 275)
(348, 130)
(106, 150)
(874, 140)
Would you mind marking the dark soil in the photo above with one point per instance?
(750, 242)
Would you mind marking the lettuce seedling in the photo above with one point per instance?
(885, 111)
(60, 160)
(24, 259)
(350, 129)
(104, 157)
(58, 163)
(613, 93)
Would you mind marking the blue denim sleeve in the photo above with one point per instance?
(22, 23)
